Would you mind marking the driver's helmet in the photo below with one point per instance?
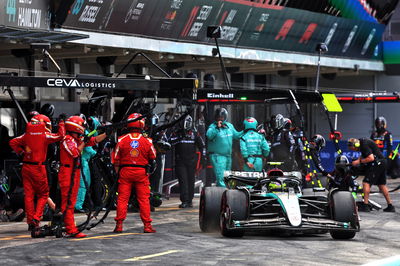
(47, 110)
(342, 164)
(221, 114)
(277, 122)
(250, 123)
(380, 123)
(287, 124)
(318, 141)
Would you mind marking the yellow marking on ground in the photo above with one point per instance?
(104, 237)
(153, 255)
(192, 211)
(168, 209)
(14, 237)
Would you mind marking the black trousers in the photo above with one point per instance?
(185, 172)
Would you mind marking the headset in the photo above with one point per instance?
(353, 143)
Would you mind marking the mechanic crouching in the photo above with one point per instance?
(220, 135)
(71, 149)
(375, 170)
(133, 155)
(253, 146)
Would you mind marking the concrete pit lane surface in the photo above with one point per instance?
(179, 241)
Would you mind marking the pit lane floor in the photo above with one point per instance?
(179, 241)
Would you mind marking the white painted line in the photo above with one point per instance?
(153, 255)
(390, 261)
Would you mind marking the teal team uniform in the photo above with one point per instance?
(219, 143)
(87, 154)
(253, 146)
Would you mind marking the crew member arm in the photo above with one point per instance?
(55, 137)
(18, 144)
(243, 149)
(212, 131)
(264, 147)
(317, 162)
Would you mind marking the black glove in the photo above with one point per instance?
(108, 131)
(152, 166)
(62, 116)
(86, 138)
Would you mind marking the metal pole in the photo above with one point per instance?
(11, 93)
(318, 71)
(228, 85)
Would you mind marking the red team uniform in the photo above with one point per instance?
(70, 165)
(33, 146)
(132, 155)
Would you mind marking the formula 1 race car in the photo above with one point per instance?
(275, 200)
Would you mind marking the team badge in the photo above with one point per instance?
(135, 144)
(134, 153)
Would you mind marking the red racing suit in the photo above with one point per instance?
(70, 164)
(33, 145)
(132, 154)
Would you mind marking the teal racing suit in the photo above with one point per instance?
(87, 154)
(253, 147)
(219, 144)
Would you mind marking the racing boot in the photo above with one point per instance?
(148, 228)
(77, 235)
(389, 208)
(118, 227)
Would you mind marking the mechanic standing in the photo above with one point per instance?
(87, 154)
(375, 170)
(185, 140)
(220, 135)
(282, 144)
(33, 147)
(253, 146)
(71, 148)
(134, 158)
(384, 140)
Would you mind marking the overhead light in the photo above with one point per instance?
(100, 50)
(58, 46)
(12, 41)
(171, 57)
(160, 56)
(202, 58)
(125, 52)
(228, 61)
(252, 63)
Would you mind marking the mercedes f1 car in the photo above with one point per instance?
(275, 200)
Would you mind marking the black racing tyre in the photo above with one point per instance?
(234, 205)
(210, 206)
(344, 210)
(101, 191)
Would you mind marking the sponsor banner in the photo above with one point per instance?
(244, 24)
(328, 154)
(90, 83)
(32, 14)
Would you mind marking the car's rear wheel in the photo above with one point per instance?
(210, 206)
(344, 210)
(234, 206)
